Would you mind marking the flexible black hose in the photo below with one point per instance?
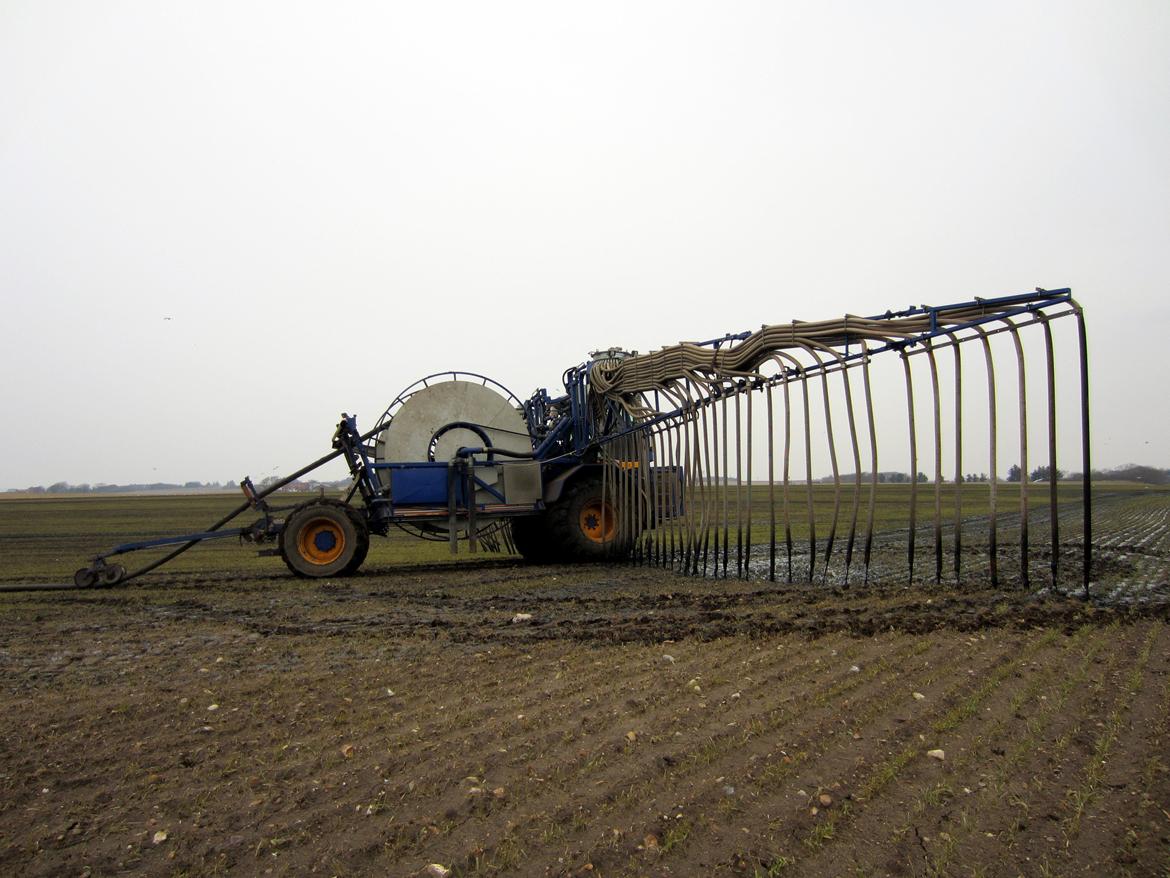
(239, 510)
(170, 556)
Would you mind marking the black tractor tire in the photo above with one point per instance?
(363, 546)
(578, 531)
(530, 536)
(324, 538)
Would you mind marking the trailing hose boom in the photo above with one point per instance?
(652, 457)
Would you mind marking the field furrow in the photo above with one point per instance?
(598, 720)
(819, 830)
(942, 801)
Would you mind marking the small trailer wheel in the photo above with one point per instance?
(323, 538)
(112, 575)
(84, 577)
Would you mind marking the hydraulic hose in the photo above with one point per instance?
(170, 556)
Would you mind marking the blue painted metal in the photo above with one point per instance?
(421, 485)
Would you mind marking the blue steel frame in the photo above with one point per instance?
(1026, 303)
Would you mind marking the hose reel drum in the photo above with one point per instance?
(438, 415)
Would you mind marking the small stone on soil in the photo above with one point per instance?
(521, 617)
(940, 755)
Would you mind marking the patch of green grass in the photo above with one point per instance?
(676, 835)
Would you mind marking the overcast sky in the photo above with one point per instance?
(221, 224)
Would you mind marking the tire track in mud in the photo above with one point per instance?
(654, 616)
(474, 605)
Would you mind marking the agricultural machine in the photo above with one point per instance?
(638, 456)
(456, 457)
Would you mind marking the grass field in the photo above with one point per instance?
(52, 536)
(222, 717)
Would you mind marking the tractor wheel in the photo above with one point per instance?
(584, 526)
(363, 546)
(324, 538)
(530, 534)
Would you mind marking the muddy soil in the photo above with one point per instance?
(498, 718)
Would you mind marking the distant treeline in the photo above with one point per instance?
(173, 487)
(1130, 472)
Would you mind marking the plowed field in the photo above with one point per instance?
(500, 718)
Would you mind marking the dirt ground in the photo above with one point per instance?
(499, 718)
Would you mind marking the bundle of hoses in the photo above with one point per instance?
(682, 478)
(705, 364)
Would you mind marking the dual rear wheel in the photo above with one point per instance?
(584, 525)
(103, 575)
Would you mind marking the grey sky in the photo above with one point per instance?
(331, 200)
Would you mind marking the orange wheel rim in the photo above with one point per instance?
(321, 541)
(598, 521)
